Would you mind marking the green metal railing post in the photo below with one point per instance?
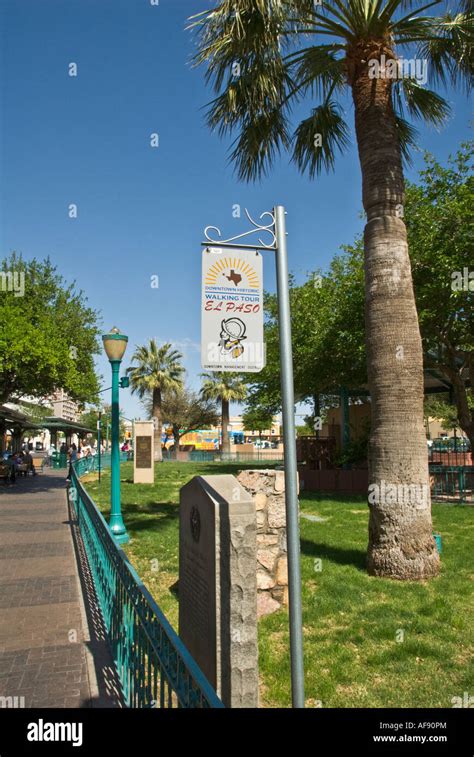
(117, 526)
(99, 424)
(153, 666)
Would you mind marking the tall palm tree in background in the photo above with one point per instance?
(262, 57)
(224, 387)
(156, 370)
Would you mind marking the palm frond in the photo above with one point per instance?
(323, 23)
(260, 141)
(223, 386)
(425, 104)
(449, 50)
(266, 41)
(255, 91)
(318, 138)
(407, 137)
(413, 28)
(318, 70)
(155, 367)
(238, 31)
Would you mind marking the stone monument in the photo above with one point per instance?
(217, 585)
(143, 453)
(267, 488)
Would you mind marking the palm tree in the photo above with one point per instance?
(224, 387)
(156, 370)
(262, 57)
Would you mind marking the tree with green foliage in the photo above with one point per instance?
(48, 335)
(156, 370)
(35, 410)
(438, 406)
(328, 310)
(306, 430)
(257, 419)
(327, 334)
(440, 220)
(263, 57)
(224, 387)
(186, 411)
(90, 417)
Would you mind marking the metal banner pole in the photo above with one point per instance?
(277, 231)
(291, 480)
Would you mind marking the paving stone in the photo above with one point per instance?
(40, 600)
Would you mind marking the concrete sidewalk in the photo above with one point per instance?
(53, 651)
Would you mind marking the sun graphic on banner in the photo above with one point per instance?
(234, 270)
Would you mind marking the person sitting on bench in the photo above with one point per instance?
(11, 461)
(28, 459)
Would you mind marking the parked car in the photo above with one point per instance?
(262, 444)
(451, 444)
(459, 444)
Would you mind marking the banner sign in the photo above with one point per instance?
(232, 310)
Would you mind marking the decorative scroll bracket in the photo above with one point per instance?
(259, 228)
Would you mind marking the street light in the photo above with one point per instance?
(115, 345)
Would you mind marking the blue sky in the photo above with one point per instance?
(141, 211)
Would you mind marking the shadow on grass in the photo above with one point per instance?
(179, 475)
(331, 497)
(140, 517)
(354, 557)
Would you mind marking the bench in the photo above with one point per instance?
(5, 471)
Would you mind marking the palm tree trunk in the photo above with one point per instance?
(157, 424)
(401, 544)
(176, 438)
(225, 427)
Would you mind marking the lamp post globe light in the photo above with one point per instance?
(115, 345)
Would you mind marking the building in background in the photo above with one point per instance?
(209, 439)
(56, 411)
(63, 406)
(271, 434)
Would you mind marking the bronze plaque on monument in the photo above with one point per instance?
(143, 452)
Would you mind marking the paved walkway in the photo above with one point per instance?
(53, 651)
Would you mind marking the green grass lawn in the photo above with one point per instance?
(369, 642)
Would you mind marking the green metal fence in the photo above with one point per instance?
(153, 665)
(211, 456)
(91, 463)
(452, 483)
(60, 460)
(257, 456)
